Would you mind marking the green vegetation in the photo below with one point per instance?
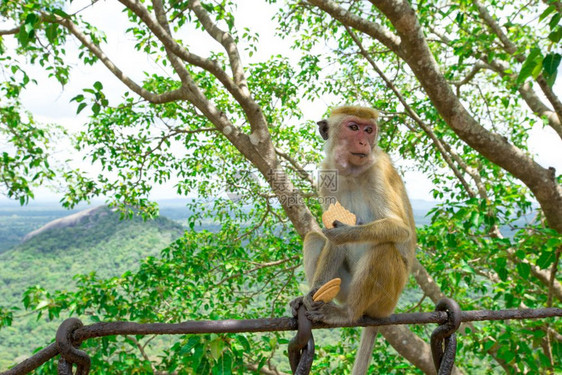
(101, 244)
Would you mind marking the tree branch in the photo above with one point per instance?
(12, 31)
(258, 267)
(227, 42)
(298, 168)
(508, 45)
(527, 93)
(386, 37)
(265, 370)
(139, 90)
(181, 70)
(167, 40)
(252, 110)
(257, 147)
(141, 349)
(475, 69)
(550, 95)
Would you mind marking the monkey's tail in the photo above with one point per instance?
(365, 351)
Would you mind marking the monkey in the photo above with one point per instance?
(372, 258)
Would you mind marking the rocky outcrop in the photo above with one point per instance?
(79, 218)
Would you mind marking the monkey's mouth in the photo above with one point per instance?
(360, 154)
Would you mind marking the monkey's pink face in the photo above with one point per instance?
(360, 136)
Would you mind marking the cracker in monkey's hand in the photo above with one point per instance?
(328, 291)
(337, 212)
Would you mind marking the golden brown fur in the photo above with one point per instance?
(363, 112)
(372, 259)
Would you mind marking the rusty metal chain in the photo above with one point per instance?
(444, 338)
(68, 349)
(301, 347)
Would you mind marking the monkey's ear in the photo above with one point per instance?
(323, 128)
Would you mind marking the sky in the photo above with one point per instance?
(50, 103)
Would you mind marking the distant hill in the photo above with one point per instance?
(83, 218)
(17, 221)
(91, 240)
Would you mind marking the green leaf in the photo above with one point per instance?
(98, 85)
(78, 98)
(51, 32)
(554, 20)
(81, 107)
(23, 37)
(551, 62)
(197, 356)
(537, 70)
(529, 65)
(502, 273)
(61, 13)
(216, 346)
(488, 345)
(538, 334)
(223, 366)
(28, 27)
(546, 259)
(475, 219)
(31, 19)
(556, 35)
(524, 270)
(244, 341)
(191, 343)
(547, 12)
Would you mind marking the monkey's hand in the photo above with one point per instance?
(295, 305)
(341, 233)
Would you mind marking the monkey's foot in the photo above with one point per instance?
(328, 291)
(326, 313)
(296, 304)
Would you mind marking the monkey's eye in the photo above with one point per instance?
(353, 126)
(369, 130)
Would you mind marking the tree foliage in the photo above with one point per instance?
(460, 86)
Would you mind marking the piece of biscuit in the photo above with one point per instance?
(337, 212)
(334, 282)
(328, 291)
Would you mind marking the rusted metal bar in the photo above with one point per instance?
(480, 315)
(31, 363)
(190, 327)
(290, 324)
(266, 325)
